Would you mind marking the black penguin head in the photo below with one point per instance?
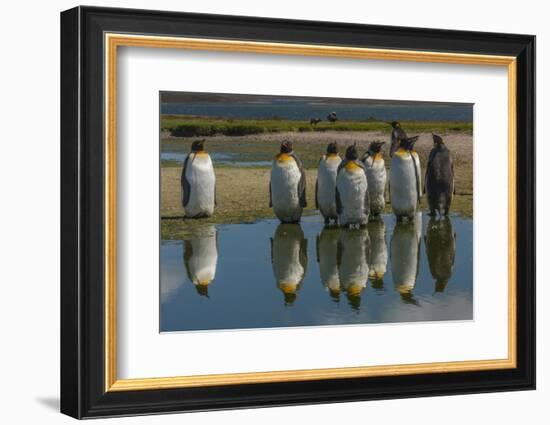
(197, 145)
(351, 152)
(202, 290)
(375, 147)
(286, 146)
(438, 140)
(395, 124)
(289, 299)
(332, 148)
(408, 143)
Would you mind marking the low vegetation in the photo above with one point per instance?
(190, 126)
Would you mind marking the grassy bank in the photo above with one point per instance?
(191, 126)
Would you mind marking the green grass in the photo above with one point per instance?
(191, 126)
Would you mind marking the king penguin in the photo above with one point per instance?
(397, 134)
(440, 243)
(405, 256)
(287, 186)
(439, 184)
(378, 258)
(352, 195)
(325, 187)
(376, 177)
(353, 266)
(289, 259)
(405, 180)
(198, 183)
(200, 258)
(327, 253)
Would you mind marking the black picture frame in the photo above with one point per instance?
(83, 392)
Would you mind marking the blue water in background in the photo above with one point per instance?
(295, 110)
(244, 293)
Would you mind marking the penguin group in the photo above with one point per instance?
(348, 190)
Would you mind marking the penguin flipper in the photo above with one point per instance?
(270, 200)
(187, 255)
(185, 185)
(317, 254)
(316, 196)
(338, 202)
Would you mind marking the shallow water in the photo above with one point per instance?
(299, 110)
(266, 274)
(218, 158)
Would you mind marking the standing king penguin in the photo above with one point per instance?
(397, 134)
(376, 177)
(352, 195)
(287, 187)
(439, 184)
(325, 187)
(198, 183)
(405, 180)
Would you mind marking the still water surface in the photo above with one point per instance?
(267, 274)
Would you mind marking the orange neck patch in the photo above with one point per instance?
(283, 157)
(352, 166)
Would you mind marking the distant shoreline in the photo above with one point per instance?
(200, 126)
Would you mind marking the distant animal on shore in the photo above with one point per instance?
(352, 195)
(332, 117)
(325, 187)
(439, 184)
(315, 121)
(405, 180)
(287, 186)
(397, 135)
(376, 177)
(198, 183)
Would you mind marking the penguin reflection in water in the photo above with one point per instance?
(289, 259)
(405, 257)
(327, 255)
(200, 258)
(353, 268)
(325, 186)
(405, 180)
(287, 186)
(378, 257)
(440, 242)
(352, 195)
(376, 177)
(440, 178)
(198, 183)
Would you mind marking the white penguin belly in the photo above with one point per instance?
(354, 268)
(285, 176)
(327, 249)
(326, 186)
(203, 260)
(378, 257)
(376, 179)
(202, 180)
(404, 256)
(403, 184)
(352, 186)
(286, 265)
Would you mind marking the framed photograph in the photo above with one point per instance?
(261, 212)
